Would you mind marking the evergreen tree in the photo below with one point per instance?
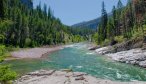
(119, 11)
(124, 22)
(104, 20)
(119, 5)
(115, 21)
(2, 8)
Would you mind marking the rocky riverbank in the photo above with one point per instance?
(135, 56)
(64, 77)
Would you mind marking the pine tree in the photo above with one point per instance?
(104, 20)
(115, 21)
(2, 8)
(110, 29)
(119, 5)
(119, 11)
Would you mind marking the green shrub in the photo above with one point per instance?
(119, 39)
(6, 74)
(137, 34)
(2, 37)
(95, 37)
(28, 42)
(2, 50)
(106, 42)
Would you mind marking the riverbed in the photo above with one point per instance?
(78, 58)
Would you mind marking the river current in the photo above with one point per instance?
(78, 58)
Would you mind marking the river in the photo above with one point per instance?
(79, 58)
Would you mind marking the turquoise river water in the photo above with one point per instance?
(79, 58)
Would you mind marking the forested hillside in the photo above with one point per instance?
(92, 24)
(127, 22)
(23, 26)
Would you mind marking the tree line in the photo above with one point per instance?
(27, 27)
(125, 22)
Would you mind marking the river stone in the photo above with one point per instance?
(142, 64)
(133, 62)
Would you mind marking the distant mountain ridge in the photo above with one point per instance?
(92, 24)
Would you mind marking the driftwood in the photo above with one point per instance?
(80, 78)
(67, 70)
(42, 73)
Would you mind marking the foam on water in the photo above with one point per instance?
(118, 75)
(69, 46)
(90, 53)
(79, 67)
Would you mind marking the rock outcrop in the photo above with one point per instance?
(62, 77)
(134, 56)
(130, 52)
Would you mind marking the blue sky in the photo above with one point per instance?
(74, 11)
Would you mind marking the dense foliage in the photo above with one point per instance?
(6, 74)
(27, 27)
(125, 23)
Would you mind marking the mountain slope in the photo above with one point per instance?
(92, 24)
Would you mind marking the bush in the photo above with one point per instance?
(6, 74)
(28, 42)
(119, 39)
(106, 42)
(2, 37)
(2, 50)
(95, 37)
(138, 34)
